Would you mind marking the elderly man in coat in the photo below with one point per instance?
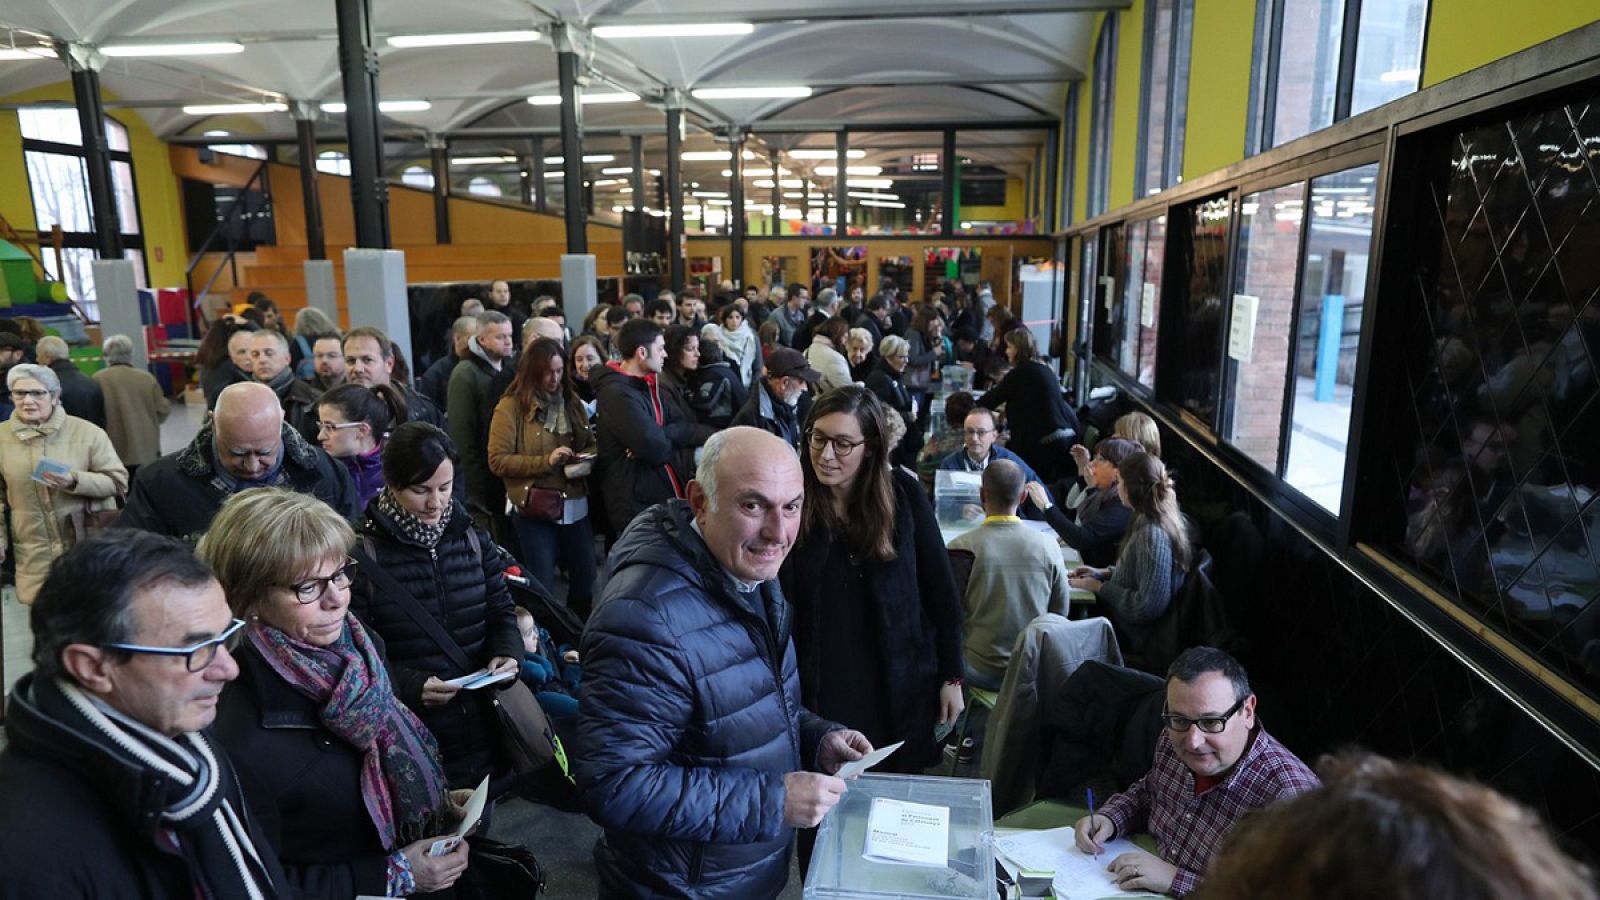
(694, 753)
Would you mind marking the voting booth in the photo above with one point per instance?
(908, 836)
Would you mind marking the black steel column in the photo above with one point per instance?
(777, 196)
(525, 167)
(440, 151)
(569, 72)
(97, 155)
(636, 181)
(541, 203)
(1052, 175)
(305, 132)
(951, 164)
(675, 254)
(736, 216)
(841, 183)
(358, 66)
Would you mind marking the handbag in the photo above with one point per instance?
(545, 504)
(499, 871)
(525, 733)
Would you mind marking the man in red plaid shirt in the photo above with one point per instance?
(1217, 763)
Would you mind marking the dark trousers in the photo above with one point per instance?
(544, 543)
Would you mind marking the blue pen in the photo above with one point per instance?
(1090, 792)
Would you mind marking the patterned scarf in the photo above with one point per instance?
(553, 413)
(199, 806)
(402, 778)
(410, 526)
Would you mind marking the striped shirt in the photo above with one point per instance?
(1189, 829)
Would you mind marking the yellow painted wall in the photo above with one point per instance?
(1015, 209)
(1219, 85)
(159, 206)
(1466, 34)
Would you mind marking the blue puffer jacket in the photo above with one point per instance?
(689, 718)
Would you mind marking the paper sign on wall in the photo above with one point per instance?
(1242, 329)
(1147, 307)
(1108, 291)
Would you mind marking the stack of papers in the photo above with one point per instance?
(480, 679)
(906, 833)
(1077, 875)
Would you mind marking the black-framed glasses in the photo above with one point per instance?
(312, 589)
(978, 432)
(1207, 724)
(197, 657)
(842, 447)
(29, 395)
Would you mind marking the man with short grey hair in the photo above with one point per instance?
(825, 307)
(327, 361)
(270, 365)
(693, 751)
(135, 405)
(80, 396)
(472, 398)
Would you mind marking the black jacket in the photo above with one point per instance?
(639, 439)
(802, 335)
(78, 822)
(212, 381)
(1096, 538)
(435, 383)
(419, 407)
(770, 414)
(1031, 394)
(918, 614)
(179, 494)
(80, 395)
(472, 401)
(464, 588)
(689, 717)
(884, 381)
(716, 394)
(299, 402)
(675, 393)
(303, 782)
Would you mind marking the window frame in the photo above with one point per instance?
(1175, 109)
(1171, 317)
(1102, 116)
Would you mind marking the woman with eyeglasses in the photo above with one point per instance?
(1153, 557)
(877, 622)
(1096, 527)
(58, 475)
(346, 781)
(421, 538)
(352, 422)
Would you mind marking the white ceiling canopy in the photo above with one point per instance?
(868, 64)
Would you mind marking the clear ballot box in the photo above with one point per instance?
(956, 500)
(840, 867)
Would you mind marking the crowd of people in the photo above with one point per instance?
(248, 653)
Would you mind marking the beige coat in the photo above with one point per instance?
(135, 409)
(45, 521)
(520, 448)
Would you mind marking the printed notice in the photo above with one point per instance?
(1242, 329)
(907, 833)
(1147, 307)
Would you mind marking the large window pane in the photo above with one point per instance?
(1141, 299)
(50, 123)
(1105, 78)
(1265, 269)
(127, 205)
(60, 186)
(1202, 260)
(1389, 52)
(1167, 93)
(1333, 292)
(997, 168)
(1308, 67)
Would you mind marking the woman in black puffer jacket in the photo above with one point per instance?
(418, 533)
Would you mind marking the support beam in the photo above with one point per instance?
(541, 199)
(1052, 180)
(951, 166)
(841, 183)
(527, 162)
(85, 62)
(636, 181)
(737, 220)
(675, 254)
(773, 222)
(358, 68)
(439, 150)
(923, 10)
(570, 75)
(305, 130)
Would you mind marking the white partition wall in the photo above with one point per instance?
(116, 289)
(375, 282)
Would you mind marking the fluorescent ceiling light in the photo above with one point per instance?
(710, 29)
(707, 155)
(462, 39)
(585, 98)
(617, 170)
(886, 204)
(765, 173)
(20, 54)
(708, 193)
(790, 213)
(752, 93)
(605, 182)
(782, 182)
(881, 184)
(587, 157)
(222, 109)
(199, 48)
(215, 133)
(719, 202)
(794, 195)
(869, 195)
(828, 171)
(338, 106)
(483, 160)
(824, 154)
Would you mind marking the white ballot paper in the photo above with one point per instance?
(471, 813)
(1078, 875)
(906, 833)
(480, 679)
(856, 766)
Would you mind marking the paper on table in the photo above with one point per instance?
(1078, 875)
(470, 814)
(479, 679)
(856, 766)
(902, 832)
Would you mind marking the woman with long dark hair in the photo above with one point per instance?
(1042, 425)
(877, 618)
(1155, 552)
(537, 438)
(585, 354)
(1096, 527)
(352, 422)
